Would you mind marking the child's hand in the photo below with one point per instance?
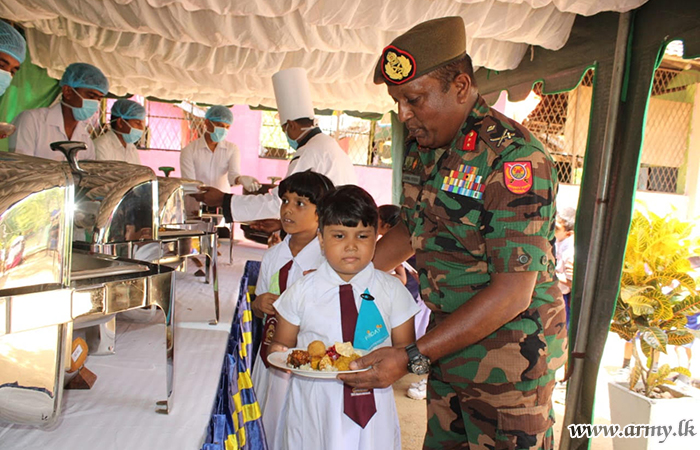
(263, 304)
(277, 347)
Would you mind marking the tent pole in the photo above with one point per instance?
(595, 248)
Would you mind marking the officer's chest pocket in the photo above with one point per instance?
(456, 217)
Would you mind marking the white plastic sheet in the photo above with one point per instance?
(219, 51)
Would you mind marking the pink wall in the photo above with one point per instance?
(245, 133)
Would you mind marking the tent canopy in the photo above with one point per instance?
(219, 51)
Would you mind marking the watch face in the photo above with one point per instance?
(420, 366)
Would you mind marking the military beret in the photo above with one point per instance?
(422, 49)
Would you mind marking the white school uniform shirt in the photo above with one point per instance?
(270, 385)
(565, 253)
(322, 154)
(313, 414)
(37, 128)
(108, 147)
(219, 168)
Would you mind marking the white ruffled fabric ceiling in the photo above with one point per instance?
(224, 51)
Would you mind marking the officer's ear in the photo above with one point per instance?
(463, 85)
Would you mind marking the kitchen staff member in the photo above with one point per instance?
(478, 211)
(13, 48)
(314, 150)
(82, 87)
(125, 129)
(212, 159)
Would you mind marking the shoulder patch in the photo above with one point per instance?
(518, 176)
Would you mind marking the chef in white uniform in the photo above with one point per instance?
(126, 128)
(212, 159)
(82, 87)
(314, 150)
(13, 48)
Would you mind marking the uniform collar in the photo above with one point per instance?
(307, 258)
(472, 122)
(115, 139)
(329, 280)
(307, 137)
(55, 117)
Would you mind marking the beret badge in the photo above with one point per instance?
(398, 66)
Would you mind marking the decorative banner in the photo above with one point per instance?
(518, 176)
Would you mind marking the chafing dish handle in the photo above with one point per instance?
(70, 150)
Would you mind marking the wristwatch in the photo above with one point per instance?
(418, 363)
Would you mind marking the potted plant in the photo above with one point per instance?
(657, 293)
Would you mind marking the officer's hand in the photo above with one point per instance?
(263, 304)
(250, 184)
(388, 364)
(209, 195)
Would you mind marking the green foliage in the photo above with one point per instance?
(657, 293)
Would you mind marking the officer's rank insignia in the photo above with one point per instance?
(469, 141)
(399, 66)
(464, 181)
(518, 176)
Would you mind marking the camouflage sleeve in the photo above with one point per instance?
(519, 210)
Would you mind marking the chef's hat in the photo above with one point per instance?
(292, 94)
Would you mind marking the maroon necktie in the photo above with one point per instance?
(358, 403)
(270, 320)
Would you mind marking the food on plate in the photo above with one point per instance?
(316, 348)
(298, 358)
(317, 357)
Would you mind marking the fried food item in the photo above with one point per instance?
(314, 362)
(298, 358)
(344, 348)
(325, 363)
(343, 363)
(317, 348)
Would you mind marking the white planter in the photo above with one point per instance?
(680, 414)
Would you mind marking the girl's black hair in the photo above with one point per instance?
(309, 184)
(389, 214)
(348, 205)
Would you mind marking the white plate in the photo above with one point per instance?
(279, 360)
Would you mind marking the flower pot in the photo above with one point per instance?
(670, 423)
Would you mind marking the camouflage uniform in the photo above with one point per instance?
(486, 205)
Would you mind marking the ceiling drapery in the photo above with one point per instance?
(223, 51)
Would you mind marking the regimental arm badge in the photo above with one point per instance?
(518, 176)
(399, 66)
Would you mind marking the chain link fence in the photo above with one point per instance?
(367, 142)
(667, 130)
(560, 121)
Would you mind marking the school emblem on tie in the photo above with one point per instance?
(518, 176)
(464, 181)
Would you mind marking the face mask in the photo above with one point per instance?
(132, 136)
(218, 134)
(292, 143)
(5, 80)
(86, 111)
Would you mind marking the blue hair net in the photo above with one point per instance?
(127, 110)
(11, 42)
(82, 75)
(219, 113)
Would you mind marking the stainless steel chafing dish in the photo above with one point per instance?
(47, 284)
(183, 233)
